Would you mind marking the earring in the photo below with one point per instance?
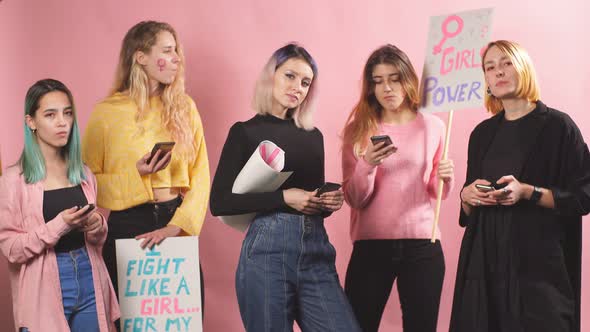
(489, 92)
(34, 131)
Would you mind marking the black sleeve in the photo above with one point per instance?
(233, 158)
(574, 199)
(324, 214)
(470, 177)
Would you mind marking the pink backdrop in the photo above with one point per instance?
(227, 42)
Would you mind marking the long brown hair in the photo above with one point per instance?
(364, 118)
(130, 77)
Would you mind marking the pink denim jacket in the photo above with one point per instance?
(27, 242)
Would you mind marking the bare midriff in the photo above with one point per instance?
(165, 194)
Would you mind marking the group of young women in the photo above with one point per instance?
(528, 184)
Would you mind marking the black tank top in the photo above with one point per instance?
(57, 200)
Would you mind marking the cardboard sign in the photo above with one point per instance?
(159, 289)
(453, 78)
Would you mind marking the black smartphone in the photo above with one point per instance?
(165, 147)
(381, 138)
(327, 187)
(500, 186)
(90, 209)
(484, 188)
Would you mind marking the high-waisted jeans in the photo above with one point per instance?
(287, 273)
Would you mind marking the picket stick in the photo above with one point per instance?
(440, 182)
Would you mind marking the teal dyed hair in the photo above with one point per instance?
(31, 161)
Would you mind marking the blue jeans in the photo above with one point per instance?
(287, 273)
(77, 290)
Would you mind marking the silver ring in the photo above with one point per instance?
(478, 202)
(504, 190)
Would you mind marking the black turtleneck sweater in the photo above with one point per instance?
(304, 156)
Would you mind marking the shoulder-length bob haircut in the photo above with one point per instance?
(31, 161)
(263, 98)
(131, 77)
(364, 118)
(527, 88)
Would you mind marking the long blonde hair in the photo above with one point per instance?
(527, 87)
(131, 77)
(364, 118)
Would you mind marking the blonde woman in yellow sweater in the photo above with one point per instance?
(149, 198)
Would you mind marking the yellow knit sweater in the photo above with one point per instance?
(114, 141)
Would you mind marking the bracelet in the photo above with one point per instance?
(536, 195)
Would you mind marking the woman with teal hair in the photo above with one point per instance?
(49, 230)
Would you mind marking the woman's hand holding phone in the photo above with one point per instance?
(156, 162)
(93, 224)
(332, 201)
(303, 201)
(331, 197)
(76, 217)
(509, 190)
(376, 153)
(474, 196)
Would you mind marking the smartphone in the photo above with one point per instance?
(165, 147)
(90, 209)
(381, 138)
(484, 188)
(327, 187)
(500, 186)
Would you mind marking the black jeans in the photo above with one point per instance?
(134, 221)
(419, 267)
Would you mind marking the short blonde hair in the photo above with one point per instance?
(262, 101)
(527, 88)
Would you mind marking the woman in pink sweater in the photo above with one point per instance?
(390, 188)
(50, 234)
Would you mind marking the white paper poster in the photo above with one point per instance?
(159, 289)
(453, 78)
(262, 173)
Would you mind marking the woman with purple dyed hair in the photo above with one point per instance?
(286, 270)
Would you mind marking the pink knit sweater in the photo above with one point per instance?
(396, 199)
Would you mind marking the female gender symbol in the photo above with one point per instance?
(161, 63)
(446, 33)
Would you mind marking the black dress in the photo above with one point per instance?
(519, 266)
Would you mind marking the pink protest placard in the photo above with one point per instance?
(159, 289)
(452, 78)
